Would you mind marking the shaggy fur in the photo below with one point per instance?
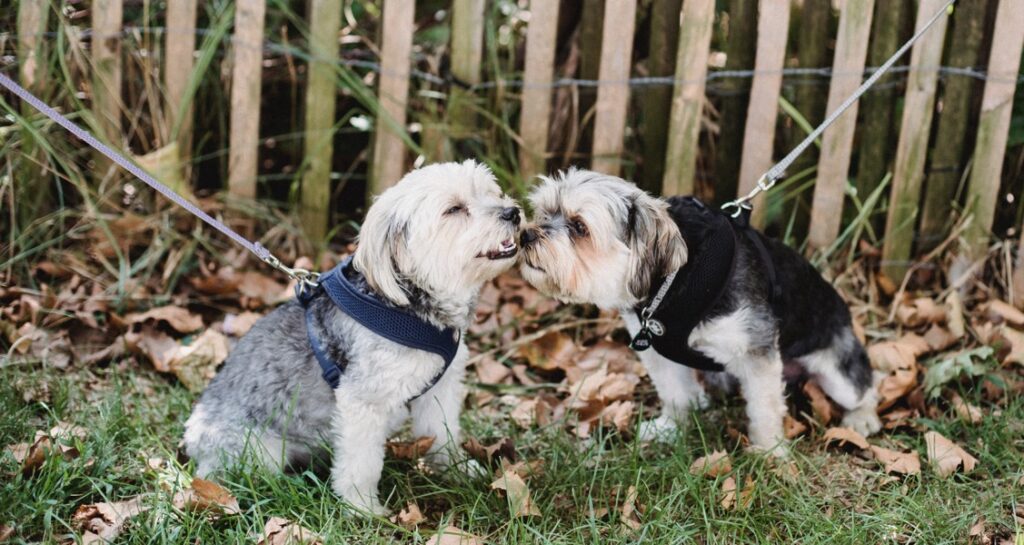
(599, 239)
(428, 245)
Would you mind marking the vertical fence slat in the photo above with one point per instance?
(688, 99)
(246, 78)
(837, 142)
(740, 50)
(613, 97)
(537, 76)
(946, 169)
(994, 122)
(180, 44)
(324, 24)
(467, 55)
(912, 150)
(106, 76)
(32, 18)
(393, 93)
(762, 112)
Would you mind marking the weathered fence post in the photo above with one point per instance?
(656, 100)
(393, 92)
(994, 123)
(537, 76)
(247, 59)
(762, 112)
(466, 57)
(688, 99)
(912, 150)
(321, 93)
(32, 19)
(613, 92)
(106, 76)
(947, 163)
(837, 142)
(180, 44)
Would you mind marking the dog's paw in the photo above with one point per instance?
(367, 508)
(864, 421)
(472, 469)
(778, 451)
(662, 429)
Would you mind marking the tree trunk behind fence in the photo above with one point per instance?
(878, 106)
(657, 100)
(948, 156)
(740, 49)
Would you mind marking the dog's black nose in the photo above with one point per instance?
(527, 238)
(510, 214)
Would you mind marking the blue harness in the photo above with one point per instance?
(389, 322)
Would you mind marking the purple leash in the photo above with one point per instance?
(303, 276)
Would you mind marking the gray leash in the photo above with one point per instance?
(303, 276)
(777, 172)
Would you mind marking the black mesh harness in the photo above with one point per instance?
(712, 238)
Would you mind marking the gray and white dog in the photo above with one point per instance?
(599, 239)
(428, 245)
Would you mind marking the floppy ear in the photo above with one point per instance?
(656, 246)
(381, 247)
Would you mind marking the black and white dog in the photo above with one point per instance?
(705, 292)
(426, 248)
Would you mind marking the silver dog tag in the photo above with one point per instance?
(655, 327)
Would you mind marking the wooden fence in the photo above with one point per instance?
(695, 30)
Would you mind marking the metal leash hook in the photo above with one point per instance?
(305, 279)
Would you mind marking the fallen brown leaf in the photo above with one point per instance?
(410, 450)
(946, 456)
(6, 532)
(821, 405)
(844, 436)
(180, 319)
(939, 338)
(713, 465)
(410, 517)
(552, 351)
(1000, 311)
(965, 410)
(629, 511)
(904, 463)
(518, 494)
(452, 535)
(728, 493)
(206, 496)
(503, 449)
(792, 427)
(237, 325)
(103, 522)
(196, 363)
(281, 531)
(490, 371)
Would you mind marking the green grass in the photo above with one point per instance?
(132, 415)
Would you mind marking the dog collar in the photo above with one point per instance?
(392, 323)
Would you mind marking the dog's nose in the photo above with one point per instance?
(528, 236)
(510, 214)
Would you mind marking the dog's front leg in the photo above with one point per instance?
(360, 431)
(677, 386)
(760, 378)
(436, 414)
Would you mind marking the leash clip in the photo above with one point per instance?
(306, 280)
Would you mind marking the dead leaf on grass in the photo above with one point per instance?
(821, 405)
(490, 371)
(518, 494)
(410, 517)
(452, 535)
(713, 465)
(923, 310)
(281, 531)
(728, 493)
(792, 427)
(503, 449)
(195, 364)
(6, 532)
(844, 436)
(410, 450)
(629, 511)
(552, 351)
(103, 522)
(965, 410)
(180, 319)
(903, 463)
(237, 325)
(946, 456)
(1015, 340)
(206, 496)
(939, 338)
(1000, 311)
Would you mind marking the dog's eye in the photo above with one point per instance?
(578, 228)
(455, 210)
